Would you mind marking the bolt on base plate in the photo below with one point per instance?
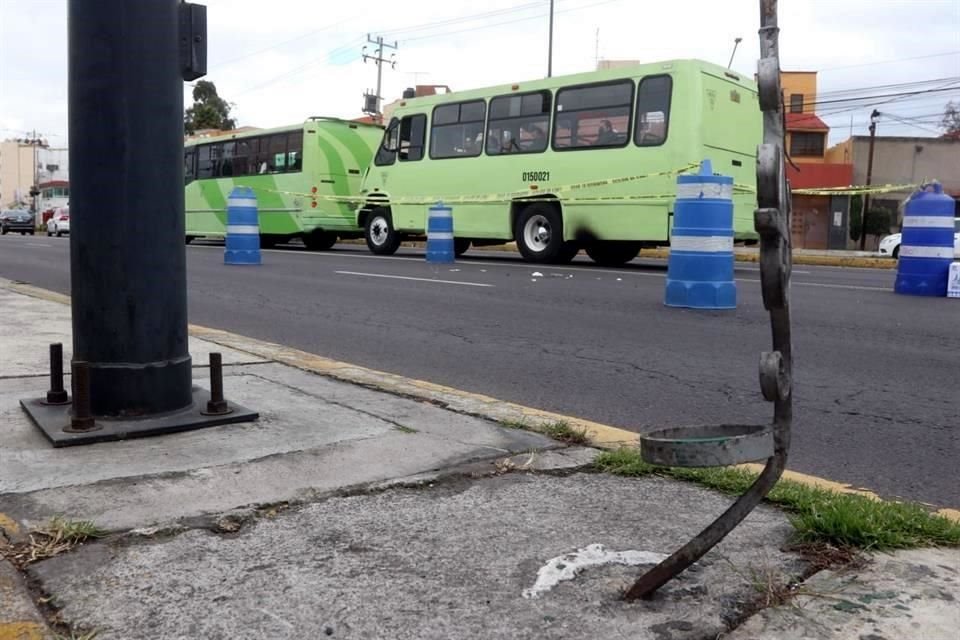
(54, 420)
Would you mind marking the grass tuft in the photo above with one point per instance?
(52, 539)
(817, 515)
(563, 432)
(404, 429)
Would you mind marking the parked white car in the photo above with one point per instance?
(890, 245)
(59, 224)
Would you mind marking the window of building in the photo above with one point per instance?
(413, 133)
(189, 165)
(519, 123)
(593, 116)
(457, 130)
(806, 144)
(653, 110)
(796, 103)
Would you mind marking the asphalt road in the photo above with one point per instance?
(877, 376)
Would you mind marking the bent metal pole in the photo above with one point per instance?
(127, 255)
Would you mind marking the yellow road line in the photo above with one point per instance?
(601, 435)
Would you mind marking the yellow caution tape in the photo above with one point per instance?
(854, 190)
(508, 196)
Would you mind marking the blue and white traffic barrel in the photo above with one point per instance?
(700, 267)
(243, 228)
(440, 234)
(926, 243)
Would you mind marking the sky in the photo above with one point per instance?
(282, 61)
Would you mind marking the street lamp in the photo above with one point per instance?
(736, 41)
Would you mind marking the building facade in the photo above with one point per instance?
(901, 160)
(25, 164)
(819, 222)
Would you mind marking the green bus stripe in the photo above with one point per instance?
(335, 162)
(355, 144)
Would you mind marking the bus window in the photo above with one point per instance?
(245, 157)
(387, 152)
(262, 163)
(278, 153)
(204, 162)
(295, 151)
(413, 130)
(653, 110)
(226, 163)
(189, 165)
(457, 130)
(593, 116)
(519, 123)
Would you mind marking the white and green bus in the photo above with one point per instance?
(586, 161)
(290, 169)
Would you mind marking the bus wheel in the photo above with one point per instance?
(382, 238)
(613, 253)
(460, 246)
(539, 233)
(318, 240)
(190, 239)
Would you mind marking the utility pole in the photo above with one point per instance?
(596, 51)
(374, 108)
(132, 372)
(866, 197)
(550, 45)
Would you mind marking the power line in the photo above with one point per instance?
(281, 44)
(461, 19)
(894, 61)
(330, 55)
(504, 23)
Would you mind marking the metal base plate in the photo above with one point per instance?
(707, 446)
(54, 419)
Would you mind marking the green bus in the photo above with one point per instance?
(586, 161)
(290, 169)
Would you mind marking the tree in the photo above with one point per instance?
(209, 110)
(951, 120)
(878, 220)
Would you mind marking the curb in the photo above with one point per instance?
(19, 617)
(600, 435)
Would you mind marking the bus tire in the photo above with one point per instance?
(268, 241)
(613, 253)
(382, 239)
(539, 233)
(190, 239)
(318, 240)
(460, 246)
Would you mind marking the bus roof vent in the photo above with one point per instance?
(409, 92)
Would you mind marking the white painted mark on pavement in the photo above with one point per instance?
(37, 244)
(567, 566)
(383, 275)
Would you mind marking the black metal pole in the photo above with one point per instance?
(127, 255)
(866, 197)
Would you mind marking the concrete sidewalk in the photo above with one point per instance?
(349, 512)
